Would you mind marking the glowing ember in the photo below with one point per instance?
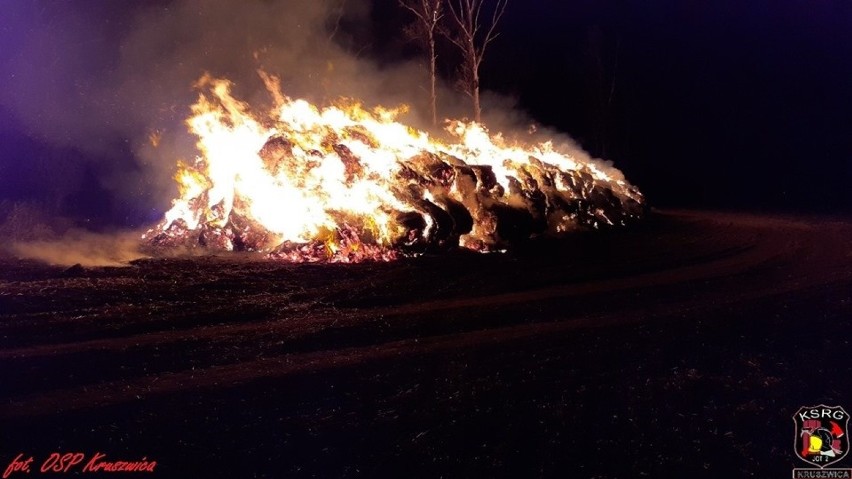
(346, 184)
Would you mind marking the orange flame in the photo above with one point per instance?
(347, 183)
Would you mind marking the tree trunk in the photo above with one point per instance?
(477, 109)
(474, 86)
(432, 73)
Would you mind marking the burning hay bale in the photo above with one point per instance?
(345, 184)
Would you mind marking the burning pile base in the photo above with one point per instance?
(343, 184)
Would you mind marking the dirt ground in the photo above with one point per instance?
(678, 348)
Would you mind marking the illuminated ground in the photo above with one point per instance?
(679, 348)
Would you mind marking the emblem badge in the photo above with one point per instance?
(821, 434)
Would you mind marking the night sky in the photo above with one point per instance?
(721, 105)
(728, 104)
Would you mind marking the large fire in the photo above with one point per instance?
(344, 183)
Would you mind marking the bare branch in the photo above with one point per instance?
(495, 18)
(477, 8)
(461, 18)
(413, 10)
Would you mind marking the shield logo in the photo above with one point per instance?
(821, 434)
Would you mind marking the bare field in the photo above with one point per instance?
(680, 347)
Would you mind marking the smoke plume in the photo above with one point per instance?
(94, 77)
(82, 247)
(114, 79)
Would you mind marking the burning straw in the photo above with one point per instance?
(344, 183)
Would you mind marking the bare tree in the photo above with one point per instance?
(472, 38)
(428, 14)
